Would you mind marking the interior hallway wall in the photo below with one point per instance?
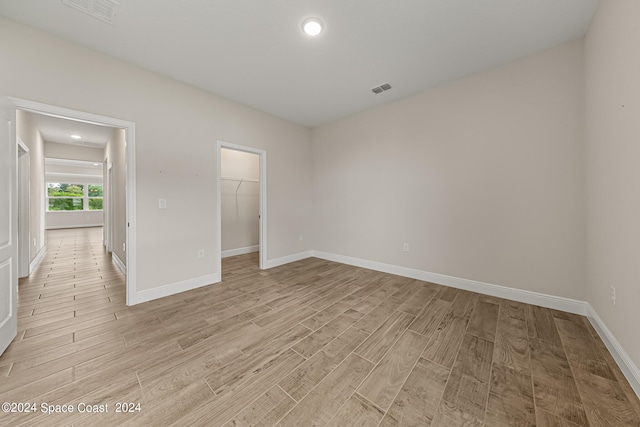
(72, 152)
(115, 154)
(28, 132)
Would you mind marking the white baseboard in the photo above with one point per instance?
(629, 369)
(240, 251)
(174, 288)
(118, 262)
(59, 227)
(287, 259)
(535, 298)
(37, 259)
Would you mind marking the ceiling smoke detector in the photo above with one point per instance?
(381, 88)
(104, 10)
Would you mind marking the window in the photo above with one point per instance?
(73, 197)
(65, 197)
(95, 197)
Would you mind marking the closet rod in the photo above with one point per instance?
(240, 181)
(224, 178)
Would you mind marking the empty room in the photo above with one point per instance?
(319, 213)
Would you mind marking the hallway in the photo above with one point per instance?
(75, 280)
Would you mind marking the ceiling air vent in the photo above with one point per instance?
(104, 10)
(381, 88)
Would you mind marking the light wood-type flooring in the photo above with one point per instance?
(311, 343)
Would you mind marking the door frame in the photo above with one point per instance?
(24, 244)
(262, 204)
(130, 154)
(108, 223)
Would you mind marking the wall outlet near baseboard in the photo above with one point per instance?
(301, 238)
(200, 253)
(405, 247)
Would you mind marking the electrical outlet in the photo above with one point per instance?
(301, 237)
(613, 295)
(162, 203)
(201, 253)
(405, 247)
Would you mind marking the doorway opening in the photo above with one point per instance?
(242, 201)
(127, 131)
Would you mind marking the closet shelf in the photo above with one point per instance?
(240, 181)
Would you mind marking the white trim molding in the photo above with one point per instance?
(629, 369)
(288, 259)
(118, 262)
(174, 288)
(240, 251)
(37, 259)
(535, 298)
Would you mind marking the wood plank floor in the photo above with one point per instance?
(312, 343)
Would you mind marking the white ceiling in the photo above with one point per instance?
(253, 51)
(55, 129)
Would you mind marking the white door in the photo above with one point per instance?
(8, 225)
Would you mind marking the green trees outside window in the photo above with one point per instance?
(95, 197)
(71, 197)
(95, 204)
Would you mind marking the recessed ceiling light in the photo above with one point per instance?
(76, 137)
(312, 26)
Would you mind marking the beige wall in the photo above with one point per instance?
(73, 173)
(612, 118)
(240, 201)
(483, 178)
(73, 152)
(114, 154)
(27, 130)
(177, 127)
(73, 219)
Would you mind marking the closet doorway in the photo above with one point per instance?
(241, 202)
